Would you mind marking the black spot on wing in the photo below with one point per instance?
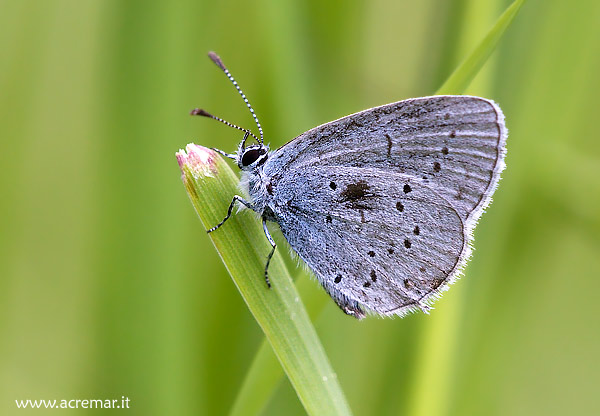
(355, 191)
(356, 196)
(389, 145)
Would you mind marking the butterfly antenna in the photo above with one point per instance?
(217, 60)
(201, 112)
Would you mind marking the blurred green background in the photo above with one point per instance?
(109, 286)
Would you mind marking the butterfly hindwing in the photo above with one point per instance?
(382, 239)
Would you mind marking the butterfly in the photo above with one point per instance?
(381, 204)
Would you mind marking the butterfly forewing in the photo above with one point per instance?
(455, 143)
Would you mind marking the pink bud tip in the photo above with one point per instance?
(198, 159)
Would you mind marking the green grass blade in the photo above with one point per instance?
(211, 184)
(468, 69)
(265, 373)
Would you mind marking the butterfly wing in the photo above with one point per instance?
(380, 239)
(381, 204)
(455, 143)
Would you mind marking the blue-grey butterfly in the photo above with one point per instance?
(381, 204)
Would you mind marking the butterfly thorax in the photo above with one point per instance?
(251, 161)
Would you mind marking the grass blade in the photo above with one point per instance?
(265, 373)
(468, 69)
(211, 184)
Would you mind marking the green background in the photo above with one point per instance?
(109, 286)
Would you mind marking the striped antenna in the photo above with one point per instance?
(201, 112)
(215, 58)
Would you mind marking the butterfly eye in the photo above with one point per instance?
(250, 156)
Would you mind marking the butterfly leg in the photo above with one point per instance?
(235, 199)
(273, 247)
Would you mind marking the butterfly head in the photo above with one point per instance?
(251, 157)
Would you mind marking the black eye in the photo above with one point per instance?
(250, 156)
